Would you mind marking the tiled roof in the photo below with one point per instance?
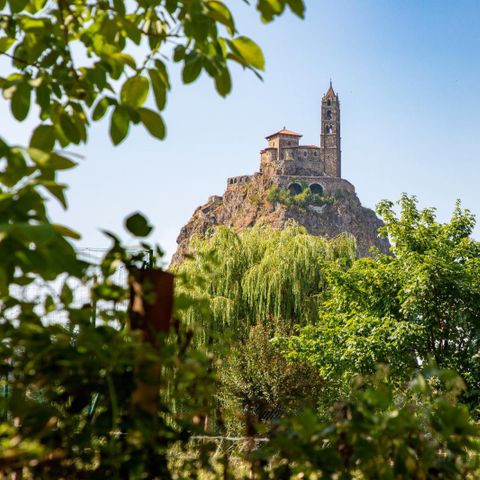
(284, 132)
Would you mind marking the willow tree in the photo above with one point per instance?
(260, 274)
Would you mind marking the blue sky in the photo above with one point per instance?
(407, 74)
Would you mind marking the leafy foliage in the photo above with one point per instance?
(303, 199)
(260, 273)
(258, 385)
(92, 398)
(420, 303)
(377, 434)
(69, 57)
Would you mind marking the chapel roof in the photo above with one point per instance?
(284, 132)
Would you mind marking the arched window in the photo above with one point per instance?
(316, 188)
(304, 154)
(329, 102)
(295, 188)
(329, 114)
(328, 129)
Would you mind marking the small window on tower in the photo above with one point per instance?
(328, 129)
(329, 114)
(329, 102)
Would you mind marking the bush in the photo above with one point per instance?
(378, 434)
(258, 384)
(303, 199)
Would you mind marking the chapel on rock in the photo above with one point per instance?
(293, 164)
(285, 163)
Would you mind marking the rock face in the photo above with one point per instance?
(288, 166)
(245, 204)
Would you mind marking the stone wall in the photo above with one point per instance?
(283, 141)
(240, 180)
(330, 185)
(302, 160)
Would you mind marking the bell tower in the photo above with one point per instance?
(330, 151)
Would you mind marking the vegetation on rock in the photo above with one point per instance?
(303, 199)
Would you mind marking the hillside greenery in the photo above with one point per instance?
(306, 197)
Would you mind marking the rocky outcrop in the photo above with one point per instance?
(245, 203)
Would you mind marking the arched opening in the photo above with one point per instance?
(316, 189)
(295, 188)
(329, 102)
(329, 114)
(328, 129)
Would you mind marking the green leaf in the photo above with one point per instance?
(43, 138)
(66, 232)
(270, 8)
(249, 51)
(135, 91)
(43, 96)
(191, 69)
(131, 30)
(138, 225)
(6, 43)
(223, 83)
(101, 108)
(159, 88)
(162, 71)
(66, 294)
(297, 7)
(59, 162)
(119, 124)
(119, 6)
(20, 103)
(70, 128)
(35, 5)
(17, 5)
(50, 160)
(26, 232)
(153, 122)
(57, 190)
(179, 53)
(124, 58)
(220, 13)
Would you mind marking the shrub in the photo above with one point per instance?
(303, 199)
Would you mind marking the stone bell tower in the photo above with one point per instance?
(330, 151)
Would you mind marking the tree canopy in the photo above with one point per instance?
(418, 305)
(261, 273)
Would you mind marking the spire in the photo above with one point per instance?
(330, 91)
